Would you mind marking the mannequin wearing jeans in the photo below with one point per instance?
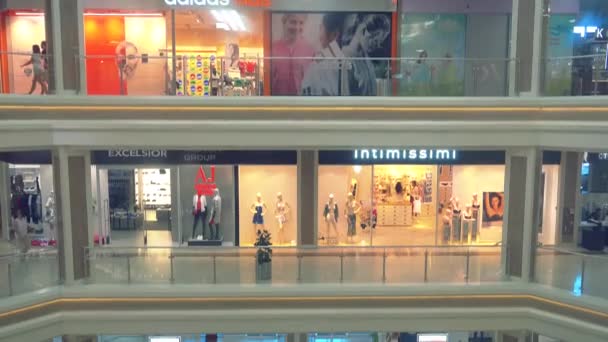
(199, 212)
(215, 215)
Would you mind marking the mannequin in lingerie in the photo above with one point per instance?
(258, 209)
(281, 210)
(456, 218)
(446, 219)
(330, 214)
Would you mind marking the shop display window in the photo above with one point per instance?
(32, 201)
(410, 204)
(22, 29)
(188, 203)
(219, 52)
(126, 53)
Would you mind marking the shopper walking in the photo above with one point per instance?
(38, 70)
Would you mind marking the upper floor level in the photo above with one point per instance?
(229, 48)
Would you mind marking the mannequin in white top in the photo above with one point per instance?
(281, 210)
(215, 215)
(49, 215)
(199, 212)
(330, 214)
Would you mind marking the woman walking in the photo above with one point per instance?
(39, 70)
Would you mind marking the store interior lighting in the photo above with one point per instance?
(95, 14)
(229, 20)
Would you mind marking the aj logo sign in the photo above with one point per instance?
(205, 185)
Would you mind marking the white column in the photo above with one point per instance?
(537, 46)
(64, 223)
(521, 218)
(58, 57)
(531, 212)
(513, 49)
(5, 202)
(81, 60)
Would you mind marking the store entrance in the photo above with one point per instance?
(135, 207)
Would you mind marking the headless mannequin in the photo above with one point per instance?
(330, 214)
(351, 210)
(215, 215)
(475, 203)
(258, 209)
(199, 211)
(468, 212)
(446, 219)
(281, 210)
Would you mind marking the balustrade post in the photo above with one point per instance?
(129, 270)
(172, 278)
(426, 265)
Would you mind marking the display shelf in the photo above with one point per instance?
(394, 215)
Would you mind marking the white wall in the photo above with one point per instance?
(268, 180)
(548, 235)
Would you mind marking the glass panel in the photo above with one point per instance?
(485, 264)
(193, 269)
(447, 265)
(405, 265)
(322, 267)
(596, 276)
(559, 269)
(362, 266)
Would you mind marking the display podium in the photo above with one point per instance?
(204, 243)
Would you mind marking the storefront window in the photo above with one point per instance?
(23, 29)
(396, 201)
(124, 52)
(216, 198)
(575, 48)
(31, 198)
(437, 38)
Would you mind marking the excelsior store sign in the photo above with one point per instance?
(177, 157)
(220, 3)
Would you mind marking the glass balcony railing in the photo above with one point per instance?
(23, 273)
(288, 266)
(578, 273)
(205, 75)
(576, 75)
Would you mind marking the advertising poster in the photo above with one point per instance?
(307, 51)
(559, 43)
(493, 208)
(424, 39)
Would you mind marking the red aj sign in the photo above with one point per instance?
(205, 185)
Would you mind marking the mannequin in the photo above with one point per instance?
(199, 211)
(49, 215)
(258, 209)
(330, 214)
(467, 224)
(215, 215)
(351, 210)
(456, 218)
(475, 208)
(446, 219)
(416, 199)
(281, 210)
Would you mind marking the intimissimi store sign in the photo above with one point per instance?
(125, 156)
(447, 156)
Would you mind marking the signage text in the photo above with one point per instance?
(405, 154)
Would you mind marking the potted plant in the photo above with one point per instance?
(263, 256)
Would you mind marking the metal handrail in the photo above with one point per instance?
(571, 252)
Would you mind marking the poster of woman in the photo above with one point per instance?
(493, 208)
(332, 54)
